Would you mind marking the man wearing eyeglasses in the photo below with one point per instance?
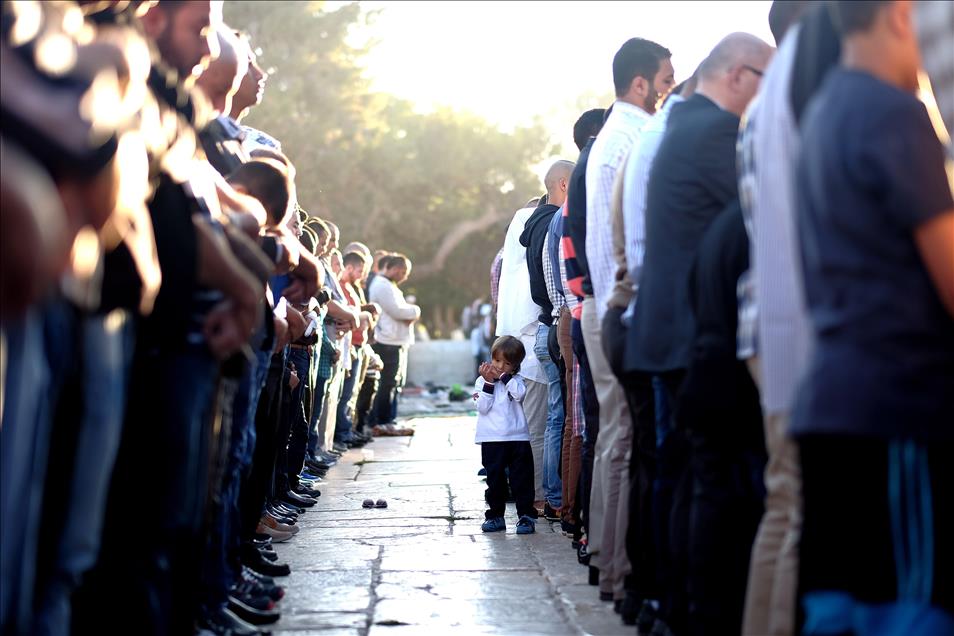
(693, 181)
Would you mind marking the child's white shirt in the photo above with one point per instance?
(500, 416)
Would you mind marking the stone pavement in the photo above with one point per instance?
(422, 566)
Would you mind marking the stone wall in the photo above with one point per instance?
(442, 362)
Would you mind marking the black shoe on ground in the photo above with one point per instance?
(224, 623)
(295, 499)
(630, 608)
(269, 556)
(582, 553)
(248, 609)
(258, 587)
(646, 618)
(253, 559)
(549, 513)
(304, 491)
(606, 597)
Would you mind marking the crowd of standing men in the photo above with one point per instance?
(185, 350)
(738, 313)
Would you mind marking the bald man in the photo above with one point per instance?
(546, 425)
(222, 137)
(221, 80)
(693, 180)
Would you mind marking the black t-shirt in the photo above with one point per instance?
(871, 171)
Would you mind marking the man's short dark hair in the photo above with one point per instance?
(398, 260)
(588, 125)
(354, 258)
(383, 261)
(510, 349)
(783, 14)
(852, 16)
(319, 227)
(637, 58)
(267, 181)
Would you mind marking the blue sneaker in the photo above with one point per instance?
(494, 525)
(526, 525)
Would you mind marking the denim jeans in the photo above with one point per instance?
(24, 438)
(299, 432)
(553, 437)
(345, 423)
(102, 368)
(164, 452)
(313, 441)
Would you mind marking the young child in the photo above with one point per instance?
(504, 436)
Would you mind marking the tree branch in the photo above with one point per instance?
(454, 238)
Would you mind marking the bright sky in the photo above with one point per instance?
(511, 61)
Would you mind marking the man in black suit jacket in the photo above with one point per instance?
(693, 179)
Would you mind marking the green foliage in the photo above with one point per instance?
(440, 187)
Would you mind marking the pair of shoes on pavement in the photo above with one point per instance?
(370, 503)
(391, 429)
(525, 525)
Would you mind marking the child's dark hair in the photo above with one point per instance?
(510, 349)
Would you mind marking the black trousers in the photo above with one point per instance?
(366, 396)
(878, 522)
(659, 501)
(498, 458)
(591, 417)
(387, 387)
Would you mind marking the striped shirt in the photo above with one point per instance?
(770, 144)
(612, 145)
(635, 180)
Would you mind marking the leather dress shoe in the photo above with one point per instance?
(224, 622)
(253, 560)
(295, 499)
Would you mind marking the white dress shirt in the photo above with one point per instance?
(609, 151)
(635, 180)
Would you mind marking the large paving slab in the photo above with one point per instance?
(422, 565)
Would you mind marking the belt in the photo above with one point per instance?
(298, 346)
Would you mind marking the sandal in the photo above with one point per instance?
(381, 503)
(367, 503)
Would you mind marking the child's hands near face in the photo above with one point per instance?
(487, 372)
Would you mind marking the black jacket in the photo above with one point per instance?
(534, 234)
(692, 181)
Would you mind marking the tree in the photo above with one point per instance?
(439, 187)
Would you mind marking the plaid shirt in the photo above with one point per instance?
(549, 277)
(495, 268)
(747, 334)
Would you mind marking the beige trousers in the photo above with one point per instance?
(535, 408)
(329, 408)
(609, 494)
(773, 572)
